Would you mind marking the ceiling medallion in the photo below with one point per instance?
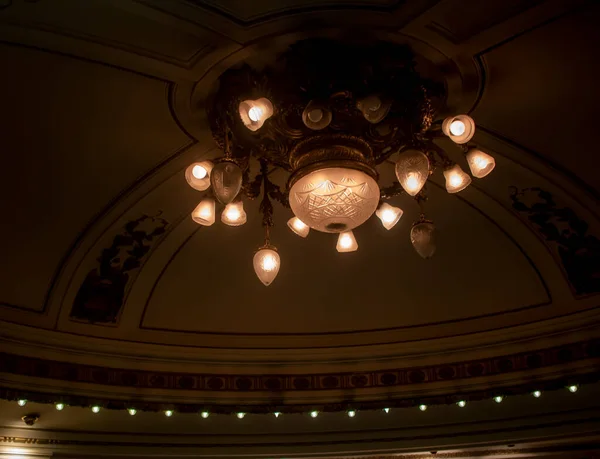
(328, 113)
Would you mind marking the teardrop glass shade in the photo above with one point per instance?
(456, 179)
(316, 116)
(373, 108)
(234, 214)
(422, 236)
(204, 213)
(226, 180)
(412, 171)
(480, 163)
(198, 175)
(266, 265)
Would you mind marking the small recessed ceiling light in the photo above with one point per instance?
(169, 413)
(387, 410)
(132, 411)
(95, 409)
(573, 388)
(537, 393)
(205, 414)
(352, 413)
(314, 414)
(22, 402)
(422, 407)
(241, 415)
(498, 398)
(60, 406)
(277, 414)
(461, 403)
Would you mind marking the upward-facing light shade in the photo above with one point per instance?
(373, 108)
(460, 128)
(266, 265)
(316, 116)
(198, 175)
(480, 163)
(254, 113)
(412, 171)
(456, 179)
(389, 215)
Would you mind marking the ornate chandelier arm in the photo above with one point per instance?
(389, 192)
(266, 207)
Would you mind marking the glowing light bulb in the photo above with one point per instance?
(60, 406)
(314, 414)
(573, 388)
(389, 215)
(205, 414)
(277, 414)
(457, 127)
(169, 413)
(132, 411)
(351, 413)
(241, 415)
(199, 171)
(95, 409)
(537, 393)
(460, 128)
(298, 227)
(387, 410)
(346, 242)
(456, 179)
(480, 163)
(198, 175)
(461, 403)
(255, 113)
(234, 214)
(204, 213)
(22, 402)
(266, 264)
(422, 407)
(498, 398)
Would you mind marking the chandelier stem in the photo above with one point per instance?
(266, 207)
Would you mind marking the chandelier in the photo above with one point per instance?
(327, 113)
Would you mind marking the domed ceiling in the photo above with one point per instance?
(104, 107)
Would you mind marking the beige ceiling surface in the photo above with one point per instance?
(101, 116)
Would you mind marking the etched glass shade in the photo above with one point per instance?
(346, 242)
(198, 175)
(204, 213)
(480, 163)
(226, 180)
(266, 265)
(298, 226)
(254, 113)
(456, 179)
(422, 236)
(460, 128)
(334, 199)
(389, 215)
(234, 214)
(412, 171)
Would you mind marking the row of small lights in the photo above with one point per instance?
(351, 413)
